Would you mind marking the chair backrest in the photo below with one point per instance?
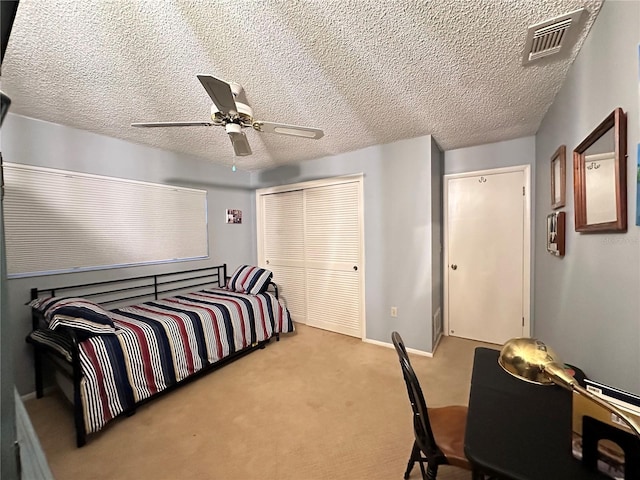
(421, 426)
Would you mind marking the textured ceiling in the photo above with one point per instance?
(366, 72)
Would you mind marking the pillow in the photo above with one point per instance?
(41, 304)
(249, 279)
(76, 313)
(84, 325)
(61, 344)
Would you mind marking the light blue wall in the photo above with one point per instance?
(398, 235)
(520, 151)
(45, 144)
(587, 305)
(8, 431)
(437, 287)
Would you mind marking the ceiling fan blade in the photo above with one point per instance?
(240, 144)
(284, 129)
(172, 124)
(220, 92)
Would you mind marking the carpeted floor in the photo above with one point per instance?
(316, 405)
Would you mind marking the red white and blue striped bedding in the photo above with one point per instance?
(162, 342)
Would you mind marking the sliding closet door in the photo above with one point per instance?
(333, 258)
(282, 249)
(310, 236)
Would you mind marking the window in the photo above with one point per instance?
(59, 221)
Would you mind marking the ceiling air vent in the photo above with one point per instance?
(550, 37)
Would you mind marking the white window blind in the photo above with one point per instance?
(59, 221)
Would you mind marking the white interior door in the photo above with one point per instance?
(485, 256)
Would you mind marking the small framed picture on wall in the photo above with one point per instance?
(234, 216)
(555, 233)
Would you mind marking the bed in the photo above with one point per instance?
(117, 355)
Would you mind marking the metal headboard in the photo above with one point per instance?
(123, 290)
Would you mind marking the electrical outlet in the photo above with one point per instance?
(394, 311)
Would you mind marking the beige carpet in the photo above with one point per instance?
(316, 405)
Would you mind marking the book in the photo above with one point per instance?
(611, 457)
(625, 401)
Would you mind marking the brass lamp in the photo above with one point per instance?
(531, 360)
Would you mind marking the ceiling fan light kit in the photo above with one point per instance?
(227, 111)
(233, 128)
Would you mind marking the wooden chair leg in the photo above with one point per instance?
(476, 474)
(415, 456)
(422, 470)
(432, 472)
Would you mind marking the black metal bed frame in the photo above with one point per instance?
(116, 291)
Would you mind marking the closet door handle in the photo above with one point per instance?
(267, 262)
(355, 268)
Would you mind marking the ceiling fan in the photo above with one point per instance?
(230, 110)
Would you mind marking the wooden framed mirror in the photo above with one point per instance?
(600, 177)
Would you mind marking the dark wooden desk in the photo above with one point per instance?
(519, 430)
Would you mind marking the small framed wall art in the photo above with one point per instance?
(234, 216)
(555, 233)
(558, 177)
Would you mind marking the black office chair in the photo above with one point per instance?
(438, 432)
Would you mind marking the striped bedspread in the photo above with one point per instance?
(162, 342)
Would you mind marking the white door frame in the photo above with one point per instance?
(359, 178)
(526, 271)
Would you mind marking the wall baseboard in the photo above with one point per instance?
(390, 345)
(32, 395)
(33, 462)
(435, 346)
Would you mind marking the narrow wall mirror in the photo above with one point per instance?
(600, 177)
(558, 177)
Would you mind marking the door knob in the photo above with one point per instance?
(267, 262)
(454, 266)
(355, 268)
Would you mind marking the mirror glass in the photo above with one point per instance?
(600, 180)
(558, 177)
(600, 177)
(556, 185)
